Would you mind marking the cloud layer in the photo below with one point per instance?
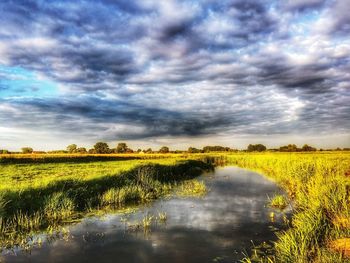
(179, 68)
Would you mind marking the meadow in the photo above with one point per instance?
(41, 191)
(318, 186)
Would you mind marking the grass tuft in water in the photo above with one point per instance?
(193, 188)
(162, 216)
(278, 201)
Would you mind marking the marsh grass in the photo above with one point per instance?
(191, 188)
(162, 216)
(36, 195)
(278, 201)
(29, 210)
(147, 221)
(320, 190)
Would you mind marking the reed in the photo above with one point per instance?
(320, 189)
(26, 211)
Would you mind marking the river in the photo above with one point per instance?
(218, 227)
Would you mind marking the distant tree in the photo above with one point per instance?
(81, 150)
(256, 148)
(4, 152)
(164, 149)
(149, 150)
(27, 150)
(121, 148)
(139, 150)
(128, 150)
(101, 147)
(216, 149)
(307, 148)
(289, 148)
(91, 151)
(193, 150)
(72, 148)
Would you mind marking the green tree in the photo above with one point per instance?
(121, 148)
(27, 150)
(216, 148)
(307, 148)
(72, 148)
(289, 148)
(101, 147)
(81, 150)
(149, 150)
(91, 151)
(256, 148)
(193, 150)
(4, 152)
(164, 149)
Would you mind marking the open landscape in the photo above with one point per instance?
(175, 131)
(44, 192)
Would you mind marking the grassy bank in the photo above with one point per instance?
(20, 173)
(39, 193)
(319, 186)
(34, 206)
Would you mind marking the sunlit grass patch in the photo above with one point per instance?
(162, 216)
(192, 188)
(24, 212)
(278, 201)
(341, 246)
(320, 193)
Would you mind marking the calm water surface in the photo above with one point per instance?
(215, 228)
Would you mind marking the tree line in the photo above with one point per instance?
(103, 148)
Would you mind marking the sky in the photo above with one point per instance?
(175, 72)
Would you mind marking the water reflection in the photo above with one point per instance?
(216, 227)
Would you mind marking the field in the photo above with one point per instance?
(319, 188)
(47, 190)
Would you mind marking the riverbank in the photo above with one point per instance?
(42, 194)
(319, 186)
(30, 209)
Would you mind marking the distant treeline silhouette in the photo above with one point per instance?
(103, 148)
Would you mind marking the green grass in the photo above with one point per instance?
(278, 201)
(192, 188)
(42, 205)
(20, 176)
(320, 190)
(162, 216)
(43, 193)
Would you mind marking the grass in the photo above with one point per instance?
(147, 221)
(20, 176)
(320, 189)
(193, 188)
(162, 216)
(42, 192)
(40, 205)
(278, 201)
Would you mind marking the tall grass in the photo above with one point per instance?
(321, 192)
(34, 208)
(36, 194)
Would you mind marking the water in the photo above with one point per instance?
(215, 228)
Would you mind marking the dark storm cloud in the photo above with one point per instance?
(93, 111)
(138, 63)
(303, 5)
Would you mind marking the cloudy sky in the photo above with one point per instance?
(174, 72)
